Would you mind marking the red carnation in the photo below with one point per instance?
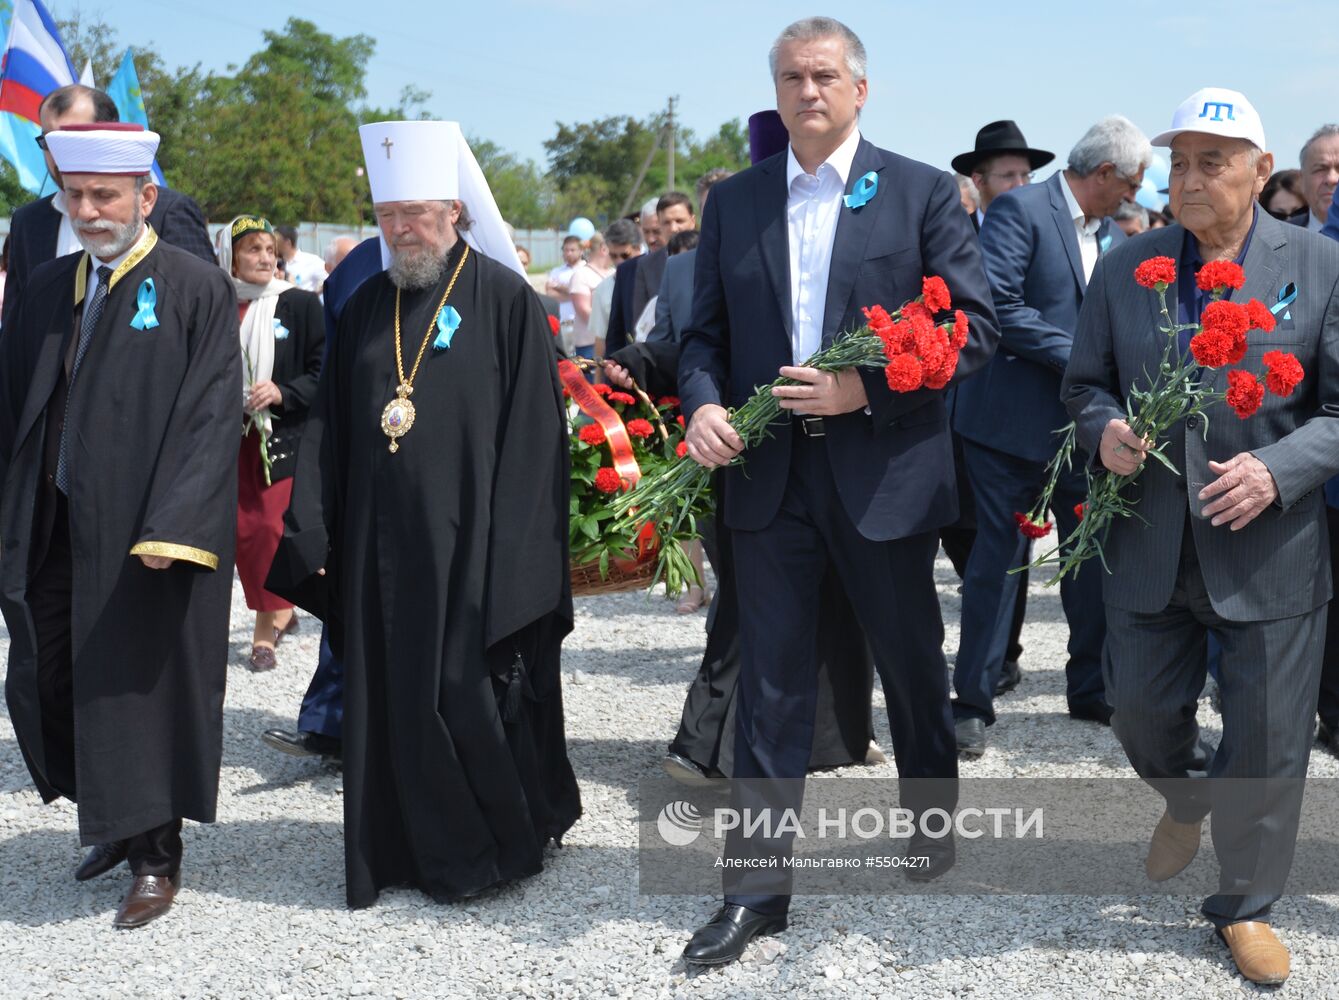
(944, 375)
(1080, 509)
(667, 401)
(592, 434)
(1226, 317)
(681, 449)
(1029, 528)
(607, 481)
(1212, 349)
(1285, 372)
(904, 373)
(622, 397)
(1244, 392)
(878, 317)
(1156, 271)
(935, 294)
(1219, 274)
(959, 339)
(931, 348)
(679, 418)
(554, 325)
(640, 428)
(918, 313)
(1261, 318)
(603, 388)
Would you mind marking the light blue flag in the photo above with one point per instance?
(125, 93)
(18, 136)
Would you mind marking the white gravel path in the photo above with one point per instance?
(262, 913)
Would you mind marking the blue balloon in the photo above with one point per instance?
(1148, 196)
(582, 228)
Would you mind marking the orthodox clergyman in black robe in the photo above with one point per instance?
(118, 424)
(441, 529)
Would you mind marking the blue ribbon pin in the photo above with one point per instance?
(1287, 296)
(280, 331)
(448, 321)
(864, 191)
(146, 299)
(1104, 245)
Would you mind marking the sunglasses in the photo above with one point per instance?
(41, 141)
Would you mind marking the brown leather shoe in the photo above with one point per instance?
(1174, 845)
(292, 628)
(100, 860)
(1260, 956)
(149, 897)
(262, 659)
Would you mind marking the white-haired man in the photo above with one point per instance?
(429, 530)
(1319, 160)
(1235, 544)
(119, 418)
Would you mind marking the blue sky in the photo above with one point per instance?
(508, 69)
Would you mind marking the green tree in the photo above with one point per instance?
(524, 195)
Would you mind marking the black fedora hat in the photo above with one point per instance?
(996, 138)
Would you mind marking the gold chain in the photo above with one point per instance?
(432, 323)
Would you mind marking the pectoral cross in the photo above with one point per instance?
(387, 144)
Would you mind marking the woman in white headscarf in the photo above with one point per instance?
(283, 338)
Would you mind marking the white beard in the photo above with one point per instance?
(125, 236)
(416, 269)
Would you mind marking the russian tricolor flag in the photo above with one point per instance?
(34, 63)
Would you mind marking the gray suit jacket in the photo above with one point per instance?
(674, 304)
(1278, 565)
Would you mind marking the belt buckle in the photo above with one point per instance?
(812, 427)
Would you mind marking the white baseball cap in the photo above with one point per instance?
(1215, 111)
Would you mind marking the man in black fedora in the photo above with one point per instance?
(1001, 161)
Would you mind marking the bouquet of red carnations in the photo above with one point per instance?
(1173, 394)
(913, 348)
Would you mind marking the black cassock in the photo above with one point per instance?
(151, 435)
(447, 590)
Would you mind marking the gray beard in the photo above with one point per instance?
(125, 236)
(417, 269)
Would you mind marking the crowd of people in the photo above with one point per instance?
(396, 465)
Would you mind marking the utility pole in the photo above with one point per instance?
(669, 144)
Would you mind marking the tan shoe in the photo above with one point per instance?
(1174, 845)
(1260, 956)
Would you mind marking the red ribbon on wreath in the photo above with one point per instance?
(593, 405)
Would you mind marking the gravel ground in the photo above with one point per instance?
(262, 913)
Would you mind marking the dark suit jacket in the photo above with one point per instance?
(674, 302)
(1279, 564)
(893, 467)
(35, 227)
(1031, 253)
(621, 314)
(650, 273)
(297, 366)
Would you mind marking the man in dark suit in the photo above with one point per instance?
(637, 281)
(1000, 161)
(674, 299)
(40, 231)
(1237, 545)
(1040, 243)
(862, 477)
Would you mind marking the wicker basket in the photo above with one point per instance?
(586, 580)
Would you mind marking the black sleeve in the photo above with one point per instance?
(184, 226)
(308, 329)
(19, 268)
(653, 364)
(616, 334)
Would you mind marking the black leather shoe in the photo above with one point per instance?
(724, 939)
(100, 860)
(941, 852)
(1093, 711)
(303, 744)
(689, 772)
(1327, 734)
(1009, 677)
(971, 734)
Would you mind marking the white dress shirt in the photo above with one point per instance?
(812, 208)
(1086, 231)
(66, 240)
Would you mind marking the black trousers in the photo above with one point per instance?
(1328, 708)
(891, 586)
(156, 851)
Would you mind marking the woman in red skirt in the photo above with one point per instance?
(283, 337)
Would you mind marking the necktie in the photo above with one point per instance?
(92, 314)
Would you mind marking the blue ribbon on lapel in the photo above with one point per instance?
(145, 299)
(280, 331)
(864, 191)
(448, 321)
(1287, 296)
(1104, 245)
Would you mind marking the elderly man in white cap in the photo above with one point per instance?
(119, 414)
(429, 529)
(1235, 546)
